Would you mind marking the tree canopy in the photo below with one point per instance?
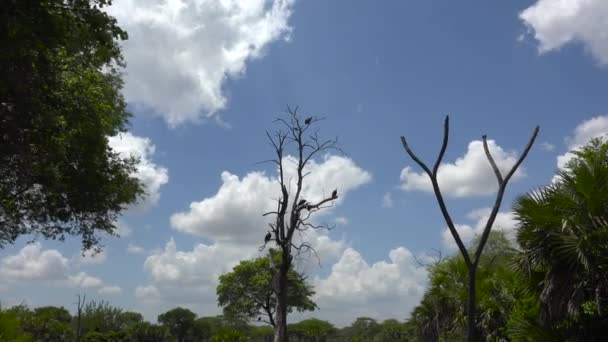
(246, 293)
(60, 100)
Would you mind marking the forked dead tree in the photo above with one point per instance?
(471, 261)
(293, 211)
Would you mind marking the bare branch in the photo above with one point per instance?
(433, 177)
(501, 190)
(491, 160)
(444, 144)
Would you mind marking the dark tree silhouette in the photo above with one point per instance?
(471, 261)
(292, 215)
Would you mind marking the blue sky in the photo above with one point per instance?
(205, 82)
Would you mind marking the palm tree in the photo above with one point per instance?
(563, 237)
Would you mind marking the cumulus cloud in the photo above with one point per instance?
(384, 289)
(234, 213)
(232, 221)
(32, 265)
(110, 290)
(555, 23)
(505, 222)
(180, 53)
(596, 127)
(84, 280)
(469, 175)
(151, 175)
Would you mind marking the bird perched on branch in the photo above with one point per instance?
(308, 121)
(302, 202)
(267, 237)
(334, 194)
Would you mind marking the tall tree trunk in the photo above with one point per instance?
(471, 309)
(280, 330)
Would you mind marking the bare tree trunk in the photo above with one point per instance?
(471, 308)
(471, 261)
(280, 331)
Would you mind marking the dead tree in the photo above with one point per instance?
(471, 261)
(80, 305)
(293, 212)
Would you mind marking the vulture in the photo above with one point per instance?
(302, 202)
(308, 120)
(267, 237)
(334, 193)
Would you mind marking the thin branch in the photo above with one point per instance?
(501, 190)
(491, 160)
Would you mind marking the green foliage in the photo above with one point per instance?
(563, 238)
(10, 328)
(229, 335)
(59, 101)
(312, 329)
(246, 292)
(442, 315)
(104, 318)
(148, 332)
(179, 322)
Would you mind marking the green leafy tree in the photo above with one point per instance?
(179, 322)
(104, 318)
(363, 328)
(146, 332)
(48, 323)
(246, 293)
(313, 330)
(60, 99)
(10, 328)
(563, 236)
(441, 315)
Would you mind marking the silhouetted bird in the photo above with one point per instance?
(267, 237)
(302, 202)
(334, 194)
(308, 120)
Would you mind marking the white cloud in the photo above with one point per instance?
(387, 200)
(596, 127)
(234, 213)
(91, 257)
(180, 52)
(110, 290)
(135, 249)
(340, 220)
(232, 221)
(505, 222)
(469, 175)
(151, 175)
(556, 23)
(123, 229)
(147, 293)
(84, 280)
(33, 265)
(384, 289)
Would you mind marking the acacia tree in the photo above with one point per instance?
(246, 293)
(471, 261)
(293, 211)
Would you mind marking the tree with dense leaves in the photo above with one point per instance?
(60, 100)
(312, 330)
(298, 136)
(179, 322)
(246, 293)
(563, 235)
